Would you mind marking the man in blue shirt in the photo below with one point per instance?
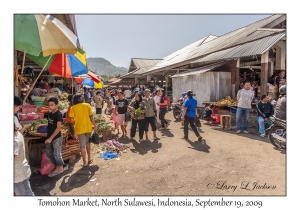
(189, 115)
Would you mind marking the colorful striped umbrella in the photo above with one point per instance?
(66, 65)
(93, 76)
(89, 82)
(34, 34)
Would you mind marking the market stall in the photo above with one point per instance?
(35, 138)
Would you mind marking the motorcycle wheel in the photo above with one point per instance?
(273, 140)
(176, 114)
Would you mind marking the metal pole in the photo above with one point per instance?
(24, 55)
(72, 84)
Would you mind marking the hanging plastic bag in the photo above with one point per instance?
(198, 123)
(46, 165)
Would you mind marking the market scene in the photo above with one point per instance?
(207, 119)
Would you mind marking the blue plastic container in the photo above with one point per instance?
(42, 129)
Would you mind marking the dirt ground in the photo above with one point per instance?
(224, 164)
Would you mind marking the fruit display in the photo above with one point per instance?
(32, 127)
(65, 130)
(227, 101)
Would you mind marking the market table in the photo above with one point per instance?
(27, 140)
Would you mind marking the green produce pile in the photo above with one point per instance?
(105, 126)
(63, 105)
(32, 129)
(100, 118)
(64, 96)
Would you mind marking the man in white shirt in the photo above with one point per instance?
(55, 90)
(157, 99)
(127, 93)
(244, 97)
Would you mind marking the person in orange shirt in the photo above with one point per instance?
(69, 120)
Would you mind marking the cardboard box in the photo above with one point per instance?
(272, 89)
(272, 96)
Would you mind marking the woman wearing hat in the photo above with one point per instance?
(189, 115)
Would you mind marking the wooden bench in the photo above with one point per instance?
(225, 121)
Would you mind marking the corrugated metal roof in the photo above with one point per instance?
(199, 70)
(142, 65)
(116, 81)
(113, 79)
(190, 47)
(252, 48)
(231, 39)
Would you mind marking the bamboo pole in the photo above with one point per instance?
(33, 84)
(24, 56)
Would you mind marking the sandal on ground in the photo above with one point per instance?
(200, 138)
(90, 161)
(85, 165)
(52, 173)
(184, 138)
(141, 140)
(156, 138)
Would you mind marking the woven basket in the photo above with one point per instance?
(66, 152)
(74, 148)
(106, 135)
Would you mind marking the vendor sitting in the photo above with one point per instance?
(264, 110)
(38, 91)
(208, 111)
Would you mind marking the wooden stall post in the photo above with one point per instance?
(148, 78)
(33, 84)
(264, 72)
(233, 69)
(237, 76)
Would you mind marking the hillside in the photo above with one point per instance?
(104, 67)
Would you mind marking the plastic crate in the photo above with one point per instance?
(29, 109)
(29, 116)
(38, 116)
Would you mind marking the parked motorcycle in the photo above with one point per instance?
(277, 133)
(177, 109)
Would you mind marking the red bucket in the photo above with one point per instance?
(217, 117)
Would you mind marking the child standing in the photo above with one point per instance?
(54, 137)
(114, 117)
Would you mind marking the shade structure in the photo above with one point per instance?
(78, 79)
(66, 65)
(98, 85)
(34, 34)
(89, 82)
(93, 76)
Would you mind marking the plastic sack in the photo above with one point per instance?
(109, 155)
(198, 123)
(95, 138)
(46, 165)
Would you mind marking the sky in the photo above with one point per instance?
(118, 38)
